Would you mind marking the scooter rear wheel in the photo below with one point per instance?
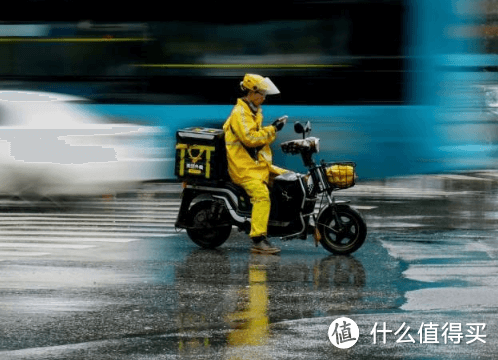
(343, 238)
(209, 230)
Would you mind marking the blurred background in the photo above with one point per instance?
(399, 86)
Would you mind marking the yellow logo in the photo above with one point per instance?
(193, 167)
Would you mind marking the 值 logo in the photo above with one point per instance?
(343, 333)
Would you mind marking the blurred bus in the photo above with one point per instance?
(380, 80)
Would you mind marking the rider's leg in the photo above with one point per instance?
(260, 199)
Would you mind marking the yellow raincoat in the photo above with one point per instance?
(245, 134)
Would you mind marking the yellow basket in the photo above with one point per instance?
(341, 175)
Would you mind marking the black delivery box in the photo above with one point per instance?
(201, 155)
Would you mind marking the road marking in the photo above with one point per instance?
(61, 246)
(426, 260)
(393, 224)
(70, 239)
(86, 233)
(364, 207)
(460, 177)
(15, 223)
(93, 217)
(82, 217)
(359, 207)
(388, 191)
(15, 253)
(113, 222)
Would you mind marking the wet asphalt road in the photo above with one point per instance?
(111, 279)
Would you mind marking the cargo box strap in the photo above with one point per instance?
(194, 159)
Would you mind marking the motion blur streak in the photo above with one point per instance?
(242, 66)
(54, 40)
(50, 145)
(388, 84)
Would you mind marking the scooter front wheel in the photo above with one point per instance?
(209, 229)
(344, 236)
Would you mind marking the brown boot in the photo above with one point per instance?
(263, 246)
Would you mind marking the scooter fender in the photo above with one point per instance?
(195, 192)
(182, 220)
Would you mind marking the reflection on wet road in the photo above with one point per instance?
(113, 280)
(251, 323)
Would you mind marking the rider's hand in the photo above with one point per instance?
(280, 122)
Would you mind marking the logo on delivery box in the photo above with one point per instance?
(195, 153)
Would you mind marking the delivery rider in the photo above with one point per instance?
(249, 154)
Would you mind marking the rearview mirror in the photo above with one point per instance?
(298, 127)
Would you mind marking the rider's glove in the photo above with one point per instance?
(280, 122)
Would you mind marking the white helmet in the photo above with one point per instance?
(258, 83)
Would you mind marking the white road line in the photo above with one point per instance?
(115, 222)
(370, 190)
(56, 218)
(85, 233)
(138, 202)
(103, 218)
(56, 246)
(129, 208)
(25, 222)
(14, 253)
(79, 229)
(361, 207)
(68, 239)
(408, 217)
(143, 201)
(98, 216)
(393, 224)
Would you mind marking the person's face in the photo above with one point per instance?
(256, 98)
